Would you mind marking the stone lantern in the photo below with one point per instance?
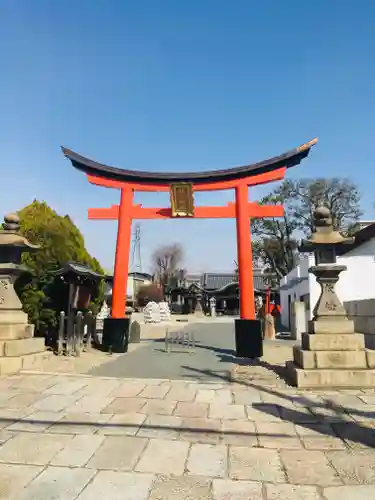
(329, 314)
(17, 342)
(331, 354)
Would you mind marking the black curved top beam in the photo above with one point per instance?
(91, 167)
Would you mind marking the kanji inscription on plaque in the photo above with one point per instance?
(182, 199)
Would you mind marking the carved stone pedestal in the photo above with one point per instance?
(19, 349)
(332, 360)
(331, 354)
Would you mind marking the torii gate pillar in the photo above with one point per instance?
(244, 254)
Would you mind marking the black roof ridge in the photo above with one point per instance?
(91, 167)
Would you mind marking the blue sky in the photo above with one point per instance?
(180, 85)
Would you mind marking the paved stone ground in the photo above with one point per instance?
(78, 437)
(76, 365)
(212, 356)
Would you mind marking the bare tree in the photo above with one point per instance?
(166, 262)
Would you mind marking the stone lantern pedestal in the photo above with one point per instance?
(19, 349)
(331, 353)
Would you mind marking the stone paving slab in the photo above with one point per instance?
(164, 457)
(255, 464)
(309, 467)
(207, 460)
(13, 478)
(31, 448)
(355, 467)
(113, 485)
(160, 427)
(76, 423)
(35, 422)
(291, 492)
(82, 438)
(225, 489)
(118, 453)
(78, 451)
(124, 424)
(350, 493)
(181, 488)
(57, 483)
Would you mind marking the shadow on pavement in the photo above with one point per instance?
(326, 418)
(228, 356)
(108, 425)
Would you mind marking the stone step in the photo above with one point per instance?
(16, 331)
(330, 359)
(333, 341)
(330, 378)
(21, 347)
(10, 365)
(335, 324)
(370, 358)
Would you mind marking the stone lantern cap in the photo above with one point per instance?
(10, 235)
(324, 234)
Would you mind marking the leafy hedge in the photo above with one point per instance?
(149, 293)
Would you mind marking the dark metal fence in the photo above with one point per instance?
(180, 341)
(76, 333)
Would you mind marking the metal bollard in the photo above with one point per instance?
(69, 335)
(90, 321)
(78, 334)
(192, 338)
(180, 339)
(187, 340)
(60, 340)
(167, 339)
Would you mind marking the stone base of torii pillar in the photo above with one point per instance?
(332, 354)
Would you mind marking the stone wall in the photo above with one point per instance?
(362, 312)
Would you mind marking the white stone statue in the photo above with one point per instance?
(151, 313)
(212, 306)
(165, 313)
(104, 311)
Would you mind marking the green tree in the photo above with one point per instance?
(42, 295)
(275, 239)
(302, 197)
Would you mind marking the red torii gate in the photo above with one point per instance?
(238, 178)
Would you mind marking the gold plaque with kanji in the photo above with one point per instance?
(182, 199)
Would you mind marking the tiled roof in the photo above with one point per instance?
(213, 281)
(79, 269)
(191, 278)
(360, 237)
(259, 282)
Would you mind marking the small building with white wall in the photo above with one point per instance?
(135, 281)
(355, 289)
